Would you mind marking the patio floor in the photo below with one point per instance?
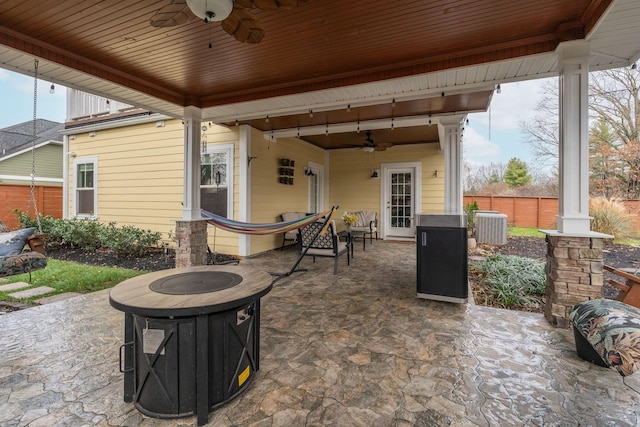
(354, 349)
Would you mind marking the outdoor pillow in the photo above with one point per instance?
(13, 242)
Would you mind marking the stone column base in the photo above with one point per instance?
(574, 273)
(191, 243)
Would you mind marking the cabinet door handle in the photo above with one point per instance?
(424, 238)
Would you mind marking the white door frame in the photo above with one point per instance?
(317, 169)
(384, 192)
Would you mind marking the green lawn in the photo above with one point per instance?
(66, 276)
(533, 232)
(525, 232)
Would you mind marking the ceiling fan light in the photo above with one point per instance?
(368, 149)
(211, 10)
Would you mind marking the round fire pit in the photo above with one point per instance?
(192, 337)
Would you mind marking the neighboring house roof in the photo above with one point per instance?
(19, 137)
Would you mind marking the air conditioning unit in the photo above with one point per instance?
(491, 228)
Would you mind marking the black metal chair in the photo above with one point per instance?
(318, 245)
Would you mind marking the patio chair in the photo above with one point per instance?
(291, 235)
(367, 222)
(327, 245)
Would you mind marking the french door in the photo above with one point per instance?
(399, 201)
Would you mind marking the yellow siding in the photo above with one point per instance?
(269, 198)
(353, 189)
(140, 178)
(140, 174)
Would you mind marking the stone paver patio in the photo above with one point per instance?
(354, 349)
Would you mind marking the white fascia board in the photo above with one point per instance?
(28, 178)
(126, 121)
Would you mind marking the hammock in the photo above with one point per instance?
(262, 228)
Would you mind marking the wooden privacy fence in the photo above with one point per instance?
(48, 201)
(538, 212)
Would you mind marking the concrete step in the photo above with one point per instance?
(14, 286)
(56, 298)
(28, 293)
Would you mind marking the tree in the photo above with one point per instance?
(517, 173)
(614, 107)
(477, 177)
(542, 130)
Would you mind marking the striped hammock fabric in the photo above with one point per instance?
(262, 228)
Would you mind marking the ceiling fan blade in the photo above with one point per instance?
(383, 146)
(247, 4)
(277, 4)
(243, 26)
(175, 13)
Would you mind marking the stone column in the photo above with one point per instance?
(191, 230)
(574, 252)
(574, 274)
(191, 243)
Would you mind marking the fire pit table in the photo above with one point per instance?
(192, 337)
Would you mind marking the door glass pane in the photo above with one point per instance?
(313, 193)
(401, 200)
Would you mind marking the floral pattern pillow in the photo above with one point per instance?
(613, 330)
(13, 242)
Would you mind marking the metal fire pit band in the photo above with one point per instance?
(192, 337)
(197, 282)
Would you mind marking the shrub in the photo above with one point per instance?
(469, 209)
(610, 217)
(90, 234)
(511, 281)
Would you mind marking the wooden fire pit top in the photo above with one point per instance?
(183, 291)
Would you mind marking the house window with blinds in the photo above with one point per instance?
(216, 180)
(86, 188)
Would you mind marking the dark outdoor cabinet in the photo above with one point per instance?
(442, 258)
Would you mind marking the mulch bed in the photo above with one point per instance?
(619, 256)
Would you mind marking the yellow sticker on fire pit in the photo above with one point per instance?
(242, 378)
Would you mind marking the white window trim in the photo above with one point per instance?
(225, 148)
(81, 161)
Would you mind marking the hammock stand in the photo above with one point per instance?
(273, 228)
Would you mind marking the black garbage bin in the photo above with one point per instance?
(442, 258)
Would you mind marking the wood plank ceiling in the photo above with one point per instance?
(321, 44)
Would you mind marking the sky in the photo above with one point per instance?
(16, 100)
(483, 144)
(498, 142)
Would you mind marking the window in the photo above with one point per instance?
(216, 180)
(86, 187)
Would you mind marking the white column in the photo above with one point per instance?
(452, 146)
(191, 199)
(65, 174)
(573, 216)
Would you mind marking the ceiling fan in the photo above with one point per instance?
(234, 15)
(370, 146)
